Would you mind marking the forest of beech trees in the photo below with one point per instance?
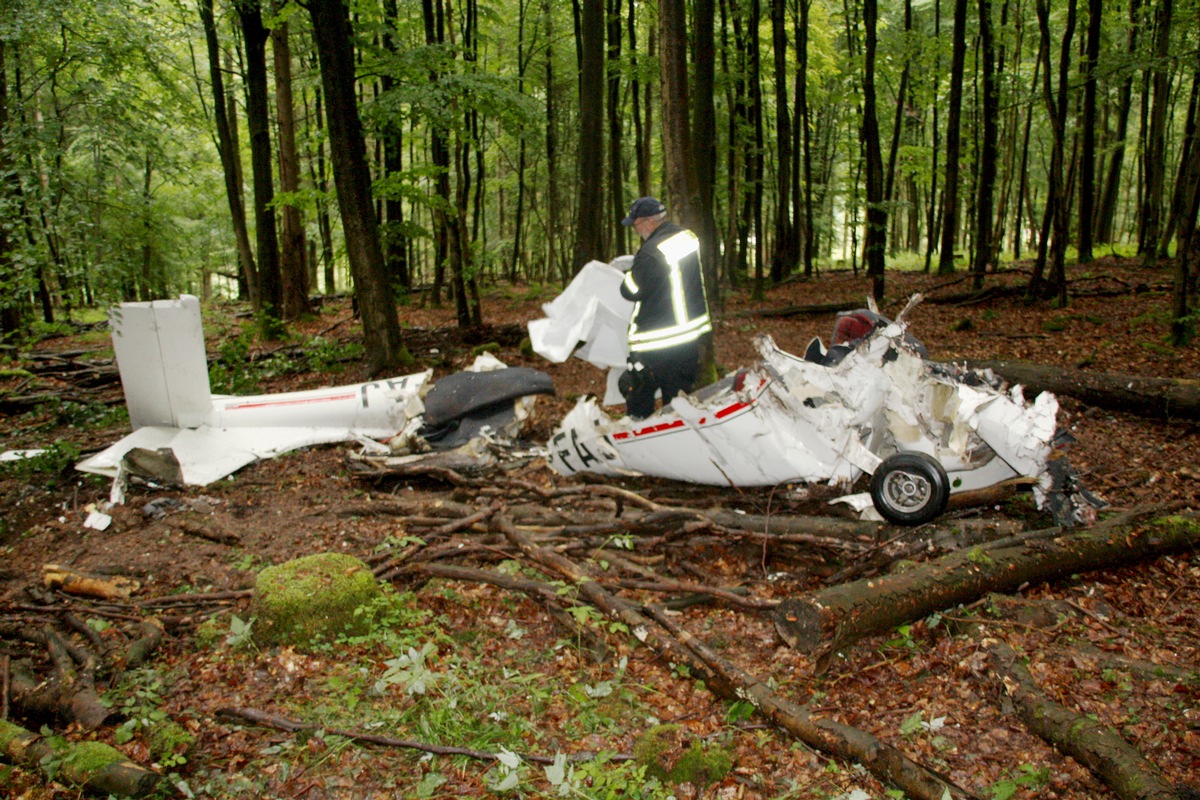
(270, 151)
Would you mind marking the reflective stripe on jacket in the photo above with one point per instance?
(667, 285)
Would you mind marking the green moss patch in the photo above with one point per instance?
(312, 599)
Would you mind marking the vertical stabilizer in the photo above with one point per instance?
(160, 352)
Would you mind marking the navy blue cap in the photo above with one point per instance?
(643, 207)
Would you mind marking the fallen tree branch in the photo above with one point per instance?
(268, 720)
(884, 761)
(836, 617)
(209, 533)
(1098, 747)
(828, 736)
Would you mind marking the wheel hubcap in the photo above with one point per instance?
(907, 491)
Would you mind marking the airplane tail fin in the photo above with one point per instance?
(160, 353)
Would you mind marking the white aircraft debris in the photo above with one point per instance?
(589, 320)
(183, 434)
(874, 405)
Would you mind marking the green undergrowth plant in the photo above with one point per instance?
(54, 464)
(139, 698)
(234, 371)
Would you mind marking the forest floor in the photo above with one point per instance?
(458, 662)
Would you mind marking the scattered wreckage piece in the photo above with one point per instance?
(589, 320)
(869, 405)
(185, 435)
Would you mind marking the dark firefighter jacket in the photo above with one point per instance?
(667, 287)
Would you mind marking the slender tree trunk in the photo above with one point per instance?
(616, 167)
(676, 107)
(784, 251)
(589, 231)
(875, 244)
(1154, 160)
(1056, 227)
(270, 285)
(810, 234)
(385, 349)
(989, 151)
(1087, 166)
(953, 140)
(514, 268)
(395, 239)
(291, 262)
(230, 157)
(704, 147)
(11, 310)
(1110, 196)
(554, 260)
(931, 213)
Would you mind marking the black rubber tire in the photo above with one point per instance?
(910, 489)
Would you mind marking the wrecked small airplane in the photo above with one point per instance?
(185, 435)
(872, 404)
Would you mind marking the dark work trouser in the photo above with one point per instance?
(672, 370)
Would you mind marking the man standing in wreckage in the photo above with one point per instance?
(670, 311)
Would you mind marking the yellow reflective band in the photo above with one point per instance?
(669, 337)
(630, 282)
(679, 246)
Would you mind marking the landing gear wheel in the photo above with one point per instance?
(910, 489)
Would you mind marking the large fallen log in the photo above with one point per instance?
(1159, 398)
(1097, 746)
(94, 766)
(832, 619)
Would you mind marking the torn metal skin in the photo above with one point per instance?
(922, 430)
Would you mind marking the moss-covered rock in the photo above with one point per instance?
(312, 599)
(669, 755)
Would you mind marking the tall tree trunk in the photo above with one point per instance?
(11, 310)
(1181, 193)
(784, 251)
(589, 230)
(270, 285)
(1056, 228)
(875, 242)
(931, 214)
(439, 156)
(1110, 197)
(292, 269)
(554, 260)
(395, 239)
(682, 187)
(321, 184)
(640, 137)
(1154, 160)
(953, 140)
(514, 268)
(810, 234)
(616, 165)
(1087, 165)
(230, 156)
(704, 147)
(704, 156)
(989, 152)
(385, 349)
(146, 288)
